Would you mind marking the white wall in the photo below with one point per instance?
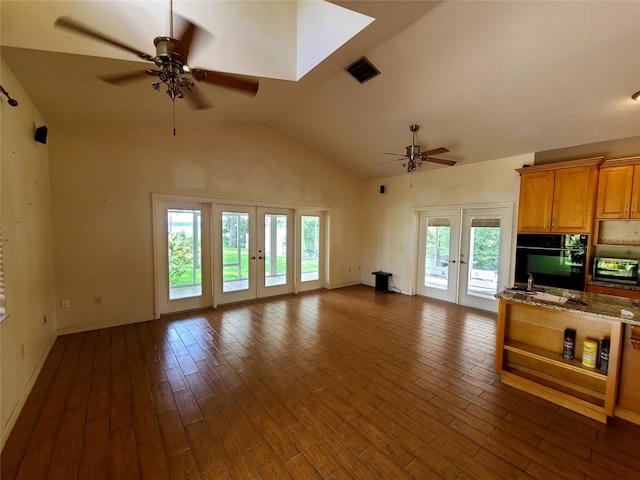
(102, 179)
(387, 219)
(27, 251)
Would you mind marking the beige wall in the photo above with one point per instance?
(27, 250)
(387, 225)
(102, 179)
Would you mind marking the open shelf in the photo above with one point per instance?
(528, 356)
(552, 358)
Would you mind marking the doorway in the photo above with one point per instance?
(311, 270)
(464, 254)
(183, 259)
(252, 252)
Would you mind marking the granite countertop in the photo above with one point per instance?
(597, 305)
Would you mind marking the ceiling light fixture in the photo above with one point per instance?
(636, 96)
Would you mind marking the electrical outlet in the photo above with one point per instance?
(65, 303)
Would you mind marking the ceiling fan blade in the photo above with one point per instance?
(396, 154)
(189, 36)
(197, 100)
(185, 39)
(442, 161)
(122, 78)
(77, 27)
(389, 161)
(435, 151)
(226, 80)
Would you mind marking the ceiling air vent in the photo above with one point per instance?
(362, 70)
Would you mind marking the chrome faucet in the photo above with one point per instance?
(530, 282)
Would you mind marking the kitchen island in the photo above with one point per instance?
(529, 347)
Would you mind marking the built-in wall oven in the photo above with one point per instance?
(554, 260)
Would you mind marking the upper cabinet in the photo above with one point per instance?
(559, 197)
(619, 189)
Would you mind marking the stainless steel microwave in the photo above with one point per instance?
(616, 270)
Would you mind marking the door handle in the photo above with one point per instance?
(452, 261)
(463, 262)
(259, 258)
(253, 258)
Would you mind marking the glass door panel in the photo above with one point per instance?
(275, 249)
(439, 250)
(182, 232)
(438, 239)
(311, 242)
(184, 253)
(310, 248)
(484, 251)
(235, 251)
(484, 257)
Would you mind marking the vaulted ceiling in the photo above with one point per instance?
(486, 80)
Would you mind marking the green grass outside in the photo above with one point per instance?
(230, 272)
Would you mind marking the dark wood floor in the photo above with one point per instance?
(339, 384)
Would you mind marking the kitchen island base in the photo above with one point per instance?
(529, 356)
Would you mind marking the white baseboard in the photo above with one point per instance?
(343, 285)
(98, 326)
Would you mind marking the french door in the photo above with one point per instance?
(183, 258)
(439, 251)
(464, 255)
(311, 238)
(252, 252)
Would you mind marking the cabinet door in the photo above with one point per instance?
(536, 198)
(614, 191)
(635, 193)
(574, 199)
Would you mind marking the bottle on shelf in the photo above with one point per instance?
(569, 343)
(605, 345)
(590, 352)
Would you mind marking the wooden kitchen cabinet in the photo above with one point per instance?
(629, 388)
(536, 199)
(619, 189)
(558, 197)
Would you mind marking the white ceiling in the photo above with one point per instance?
(485, 79)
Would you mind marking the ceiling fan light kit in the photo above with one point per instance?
(636, 96)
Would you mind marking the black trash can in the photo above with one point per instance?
(382, 281)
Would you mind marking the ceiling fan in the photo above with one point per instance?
(171, 62)
(414, 157)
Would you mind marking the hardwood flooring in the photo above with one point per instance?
(349, 383)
